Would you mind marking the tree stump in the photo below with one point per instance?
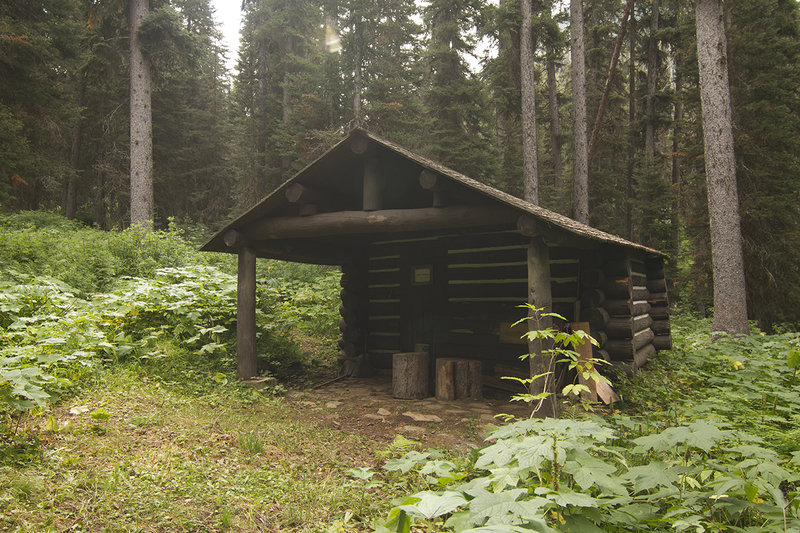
(457, 379)
(410, 375)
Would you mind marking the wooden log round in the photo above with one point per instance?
(657, 285)
(599, 353)
(642, 355)
(638, 278)
(592, 298)
(601, 337)
(640, 307)
(661, 327)
(663, 342)
(643, 338)
(598, 318)
(410, 375)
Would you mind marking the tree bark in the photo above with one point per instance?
(357, 81)
(580, 171)
(141, 119)
(632, 130)
(246, 354)
(555, 122)
(530, 174)
(730, 305)
(71, 189)
(676, 160)
(652, 78)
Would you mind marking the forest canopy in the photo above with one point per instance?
(222, 140)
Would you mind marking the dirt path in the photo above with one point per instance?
(366, 407)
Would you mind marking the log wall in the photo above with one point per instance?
(479, 282)
(623, 297)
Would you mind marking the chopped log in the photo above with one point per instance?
(638, 279)
(626, 307)
(246, 351)
(410, 375)
(592, 298)
(659, 313)
(528, 226)
(663, 342)
(618, 289)
(458, 378)
(360, 145)
(381, 221)
(445, 379)
(598, 318)
(657, 285)
(661, 327)
(297, 193)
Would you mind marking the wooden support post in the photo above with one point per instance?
(539, 295)
(246, 356)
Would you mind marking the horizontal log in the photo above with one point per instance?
(642, 355)
(567, 289)
(626, 327)
(384, 293)
(625, 349)
(380, 221)
(600, 353)
(592, 298)
(660, 327)
(387, 276)
(663, 342)
(659, 299)
(659, 313)
(488, 289)
(489, 273)
(658, 273)
(565, 270)
(617, 289)
(513, 255)
(383, 308)
(562, 252)
(383, 342)
(384, 324)
(598, 318)
(639, 293)
(601, 337)
(638, 279)
(657, 285)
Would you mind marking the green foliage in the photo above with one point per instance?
(711, 446)
(52, 336)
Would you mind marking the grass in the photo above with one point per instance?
(170, 459)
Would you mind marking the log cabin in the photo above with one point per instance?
(432, 259)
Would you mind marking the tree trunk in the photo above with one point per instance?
(357, 78)
(71, 189)
(632, 130)
(540, 296)
(286, 161)
(676, 160)
(580, 172)
(612, 69)
(730, 305)
(652, 78)
(555, 123)
(530, 174)
(141, 123)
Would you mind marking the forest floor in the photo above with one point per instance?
(140, 452)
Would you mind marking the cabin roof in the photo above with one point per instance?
(338, 172)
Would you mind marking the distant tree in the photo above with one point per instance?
(730, 303)
(530, 149)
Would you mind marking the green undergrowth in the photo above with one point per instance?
(704, 440)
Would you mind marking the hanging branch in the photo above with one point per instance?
(612, 68)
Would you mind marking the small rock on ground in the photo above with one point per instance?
(420, 417)
(384, 412)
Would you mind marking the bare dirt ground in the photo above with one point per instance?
(365, 406)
